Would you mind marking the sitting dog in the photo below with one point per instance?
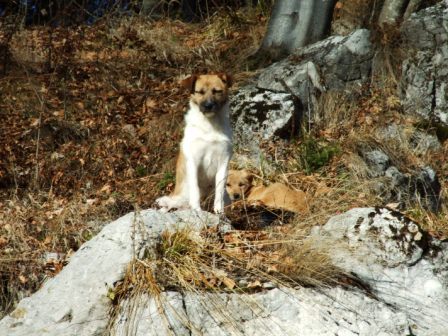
(206, 147)
(275, 196)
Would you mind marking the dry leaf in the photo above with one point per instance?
(22, 279)
(229, 283)
(254, 284)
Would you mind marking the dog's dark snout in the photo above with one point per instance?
(208, 105)
(236, 196)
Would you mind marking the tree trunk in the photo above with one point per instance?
(149, 7)
(392, 11)
(296, 23)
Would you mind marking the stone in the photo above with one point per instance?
(284, 93)
(423, 86)
(377, 161)
(280, 311)
(419, 141)
(260, 114)
(75, 302)
(403, 266)
(420, 185)
(329, 64)
(403, 270)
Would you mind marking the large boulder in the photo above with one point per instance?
(332, 63)
(404, 267)
(76, 301)
(403, 271)
(261, 115)
(287, 91)
(424, 88)
(280, 311)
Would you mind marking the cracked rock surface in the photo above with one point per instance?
(275, 103)
(404, 269)
(75, 302)
(424, 82)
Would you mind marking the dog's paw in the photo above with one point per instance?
(218, 210)
(163, 203)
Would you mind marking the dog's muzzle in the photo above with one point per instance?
(209, 106)
(236, 196)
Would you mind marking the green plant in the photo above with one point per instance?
(167, 179)
(141, 171)
(314, 154)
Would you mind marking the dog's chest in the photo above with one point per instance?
(208, 150)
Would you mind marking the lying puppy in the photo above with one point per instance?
(275, 196)
(206, 147)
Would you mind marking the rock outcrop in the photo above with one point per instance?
(424, 87)
(404, 271)
(405, 268)
(287, 91)
(75, 302)
(415, 185)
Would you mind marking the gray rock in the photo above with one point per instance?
(405, 273)
(418, 141)
(423, 142)
(75, 302)
(424, 89)
(332, 64)
(275, 104)
(260, 114)
(377, 161)
(404, 267)
(418, 186)
(428, 189)
(282, 311)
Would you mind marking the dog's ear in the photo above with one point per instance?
(226, 78)
(248, 175)
(189, 83)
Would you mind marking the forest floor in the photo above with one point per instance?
(92, 117)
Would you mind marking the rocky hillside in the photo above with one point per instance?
(93, 116)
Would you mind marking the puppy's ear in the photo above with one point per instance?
(248, 175)
(189, 83)
(226, 78)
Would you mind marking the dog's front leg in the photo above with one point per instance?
(220, 182)
(194, 195)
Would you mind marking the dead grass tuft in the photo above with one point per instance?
(236, 262)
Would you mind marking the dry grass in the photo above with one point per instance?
(92, 118)
(237, 262)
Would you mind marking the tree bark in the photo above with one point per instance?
(296, 23)
(412, 7)
(392, 11)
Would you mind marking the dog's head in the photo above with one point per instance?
(209, 92)
(238, 184)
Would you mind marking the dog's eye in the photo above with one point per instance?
(214, 91)
(228, 185)
(201, 92)
(241, 185)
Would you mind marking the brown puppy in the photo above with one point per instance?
(206, 147)
(276, 196)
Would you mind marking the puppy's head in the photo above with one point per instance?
(209, 92)
(238, 183)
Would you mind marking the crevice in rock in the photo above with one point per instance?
(184, 307)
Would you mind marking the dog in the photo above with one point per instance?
(206, 147)
(275, 196)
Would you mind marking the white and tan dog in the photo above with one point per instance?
(206, 147)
